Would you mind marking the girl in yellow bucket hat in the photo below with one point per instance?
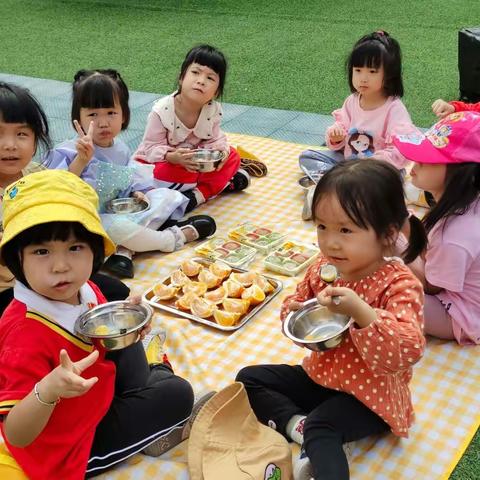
(68, 410)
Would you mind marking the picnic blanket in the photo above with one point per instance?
(446, 382)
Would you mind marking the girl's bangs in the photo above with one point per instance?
(16, 110)
(211, 60)
(369, 54)
(98, 91)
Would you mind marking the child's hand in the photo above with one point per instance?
(294, 306)
(85, 147)
(336, 134)
(136, 299)
(65, 381)
(441, 108)
(140, 196)
(345, 301)
(183, 157)
(223, 162)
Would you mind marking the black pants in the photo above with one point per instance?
(111, 287)
(278, 392)
(148, 404)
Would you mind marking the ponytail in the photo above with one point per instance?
(417, 242)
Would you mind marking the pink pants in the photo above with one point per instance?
(209, 184)
(438, 322)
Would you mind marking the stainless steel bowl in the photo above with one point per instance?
(316, 326)
(126, 205)
(208, 160)
(113, 325)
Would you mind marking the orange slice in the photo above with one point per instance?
(216, 296)
(245, 279)
(178, 278)
(209, 278)
(255, 294)
(190, 268)
(233, 289)
(201, 308)
(226, 319)
(198, 288)
(263, 283)
(165, 292)
(220, 269)
(185, 301)
(236, 305)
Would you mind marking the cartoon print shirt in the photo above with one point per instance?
(374, 363)
(370, 132)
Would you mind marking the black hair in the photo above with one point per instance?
(462, 188)
(18, 105)
(373, 51)
(371, 194)
(99, 89)
(207, 56)
(45, 232)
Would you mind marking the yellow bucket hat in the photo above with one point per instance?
(51, 196)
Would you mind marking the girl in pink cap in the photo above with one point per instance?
(447, 164)
(187, 120)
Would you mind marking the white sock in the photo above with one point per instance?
(295, 428)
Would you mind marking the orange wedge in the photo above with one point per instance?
(220, 269)
(201, 308)
(216, 296)
(185, 301)
(209, 279)
(165, 292)
(255, 294)
(233, 289)
(263, 283)
(198, 288)
(236, 305)
(190, 268)
(226, 319)
(178, 278)
(245, 279)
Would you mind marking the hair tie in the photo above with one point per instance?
(380, 32)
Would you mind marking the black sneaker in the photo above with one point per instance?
(119, 265)
(240, 181)
(204, 225)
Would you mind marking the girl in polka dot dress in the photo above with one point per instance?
(187, 120)
(360, 387)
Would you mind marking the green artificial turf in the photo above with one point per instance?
(283, 54)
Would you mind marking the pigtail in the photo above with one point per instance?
(417, 242)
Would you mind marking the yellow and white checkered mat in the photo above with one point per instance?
(445, 385)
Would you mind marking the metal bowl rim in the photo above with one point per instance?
(147, 309)
(310, 305)
(110, 203)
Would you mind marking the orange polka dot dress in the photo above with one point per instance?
(374, 363)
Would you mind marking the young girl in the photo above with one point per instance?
(441, 108)
(100, 112)
(365, 125)
(189, 119)
(360, 387)
(69, 410)
(447, 164)
(23, 129)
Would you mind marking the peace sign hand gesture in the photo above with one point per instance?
(65, 381)
(85, 146)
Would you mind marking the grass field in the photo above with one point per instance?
(284, 54)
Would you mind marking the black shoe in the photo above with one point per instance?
(203, 224)
(192, 200)
(240, 181)
(119, 265)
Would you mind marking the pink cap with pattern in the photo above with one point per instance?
(454, 139)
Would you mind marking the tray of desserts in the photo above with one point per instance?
(263, 238)
(213, 293)
(228, 251)
(291, 258)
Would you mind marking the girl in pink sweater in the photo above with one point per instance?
(187, 120)
(359, 388)
(373, 113)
